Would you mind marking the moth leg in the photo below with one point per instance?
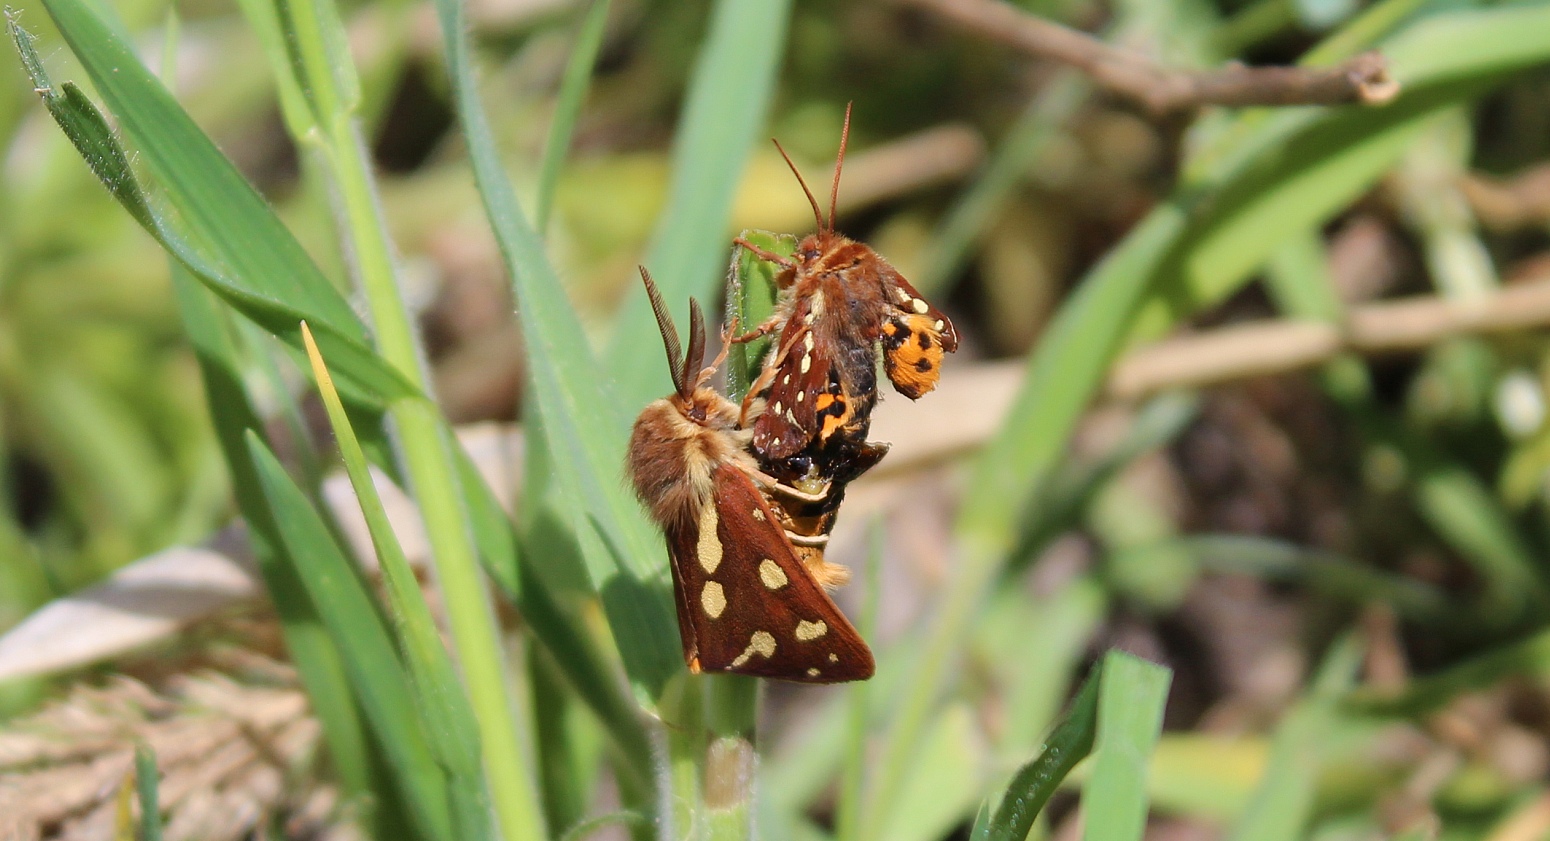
(769, 326)
(759, 386)
(770, 483)
(807, 540)
(768, 256)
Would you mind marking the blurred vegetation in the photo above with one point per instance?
(1343, 568)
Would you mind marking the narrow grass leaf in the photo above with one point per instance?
(368, 653)
(584, 431)
(1325, 572)
(1130, 710)
(1283, 801)
(437, 692)
(1528, 657)
(724, 109)
(317, 660)
(148, 785)
(567, 107)
(1034, 783)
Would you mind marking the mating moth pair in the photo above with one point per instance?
(747, 495)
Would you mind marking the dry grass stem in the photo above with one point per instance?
(1165, 90)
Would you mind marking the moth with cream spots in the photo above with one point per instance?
(747, 560)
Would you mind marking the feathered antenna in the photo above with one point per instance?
(675, 359)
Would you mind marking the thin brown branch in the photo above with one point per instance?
(1165, 90)
(1270, 347)
(1509, 204)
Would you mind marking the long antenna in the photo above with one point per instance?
(817, 214)
(696, 356)
(675, 361)
(839, 161)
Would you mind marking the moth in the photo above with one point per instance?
(840, 301)
(748, 600)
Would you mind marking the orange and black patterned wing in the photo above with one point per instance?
(747, 605)
(914, 338)
(798, 373)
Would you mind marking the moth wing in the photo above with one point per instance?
(747, 605)
(914, 338)
(800, 375)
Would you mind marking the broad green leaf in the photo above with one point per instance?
(1130, 709)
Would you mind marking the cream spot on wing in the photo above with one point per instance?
(791, 419)
(809, 631)
(713, 599)
(771, 574)
(812, 673)
(808, 319)
(760, 643)
(807, 341)
(939, 326)
(800, 395)
(786, 380)
(904, 297)
(779, 407)
(758, 514)
(817, 305)
(834, 658)
(708, 550)
(920, 306)
(807, 362)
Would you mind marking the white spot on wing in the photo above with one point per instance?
(807, 362)
(809, 631)
(713, 599)
(708, 550)
(760, 643)
(920, 306)
(771, 574)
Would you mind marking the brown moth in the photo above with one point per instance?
(840, 300)
(748, 600)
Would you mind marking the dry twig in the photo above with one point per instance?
(1270, 347)
(1165, 90)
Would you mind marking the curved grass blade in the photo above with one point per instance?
(1033, 784)
(437, 691)
(724, 108)
(278, 307)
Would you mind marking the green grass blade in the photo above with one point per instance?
(437, 691)
(723, 111)
(1034, 783)
(1130, 709)
(1529, 657)
(584, 431)
(273, 305)
(369, 657)
(148, 786)
(316, 658)
(1284, 799)
(222, 211)
(567, 107)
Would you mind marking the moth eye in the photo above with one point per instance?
(810, 254)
